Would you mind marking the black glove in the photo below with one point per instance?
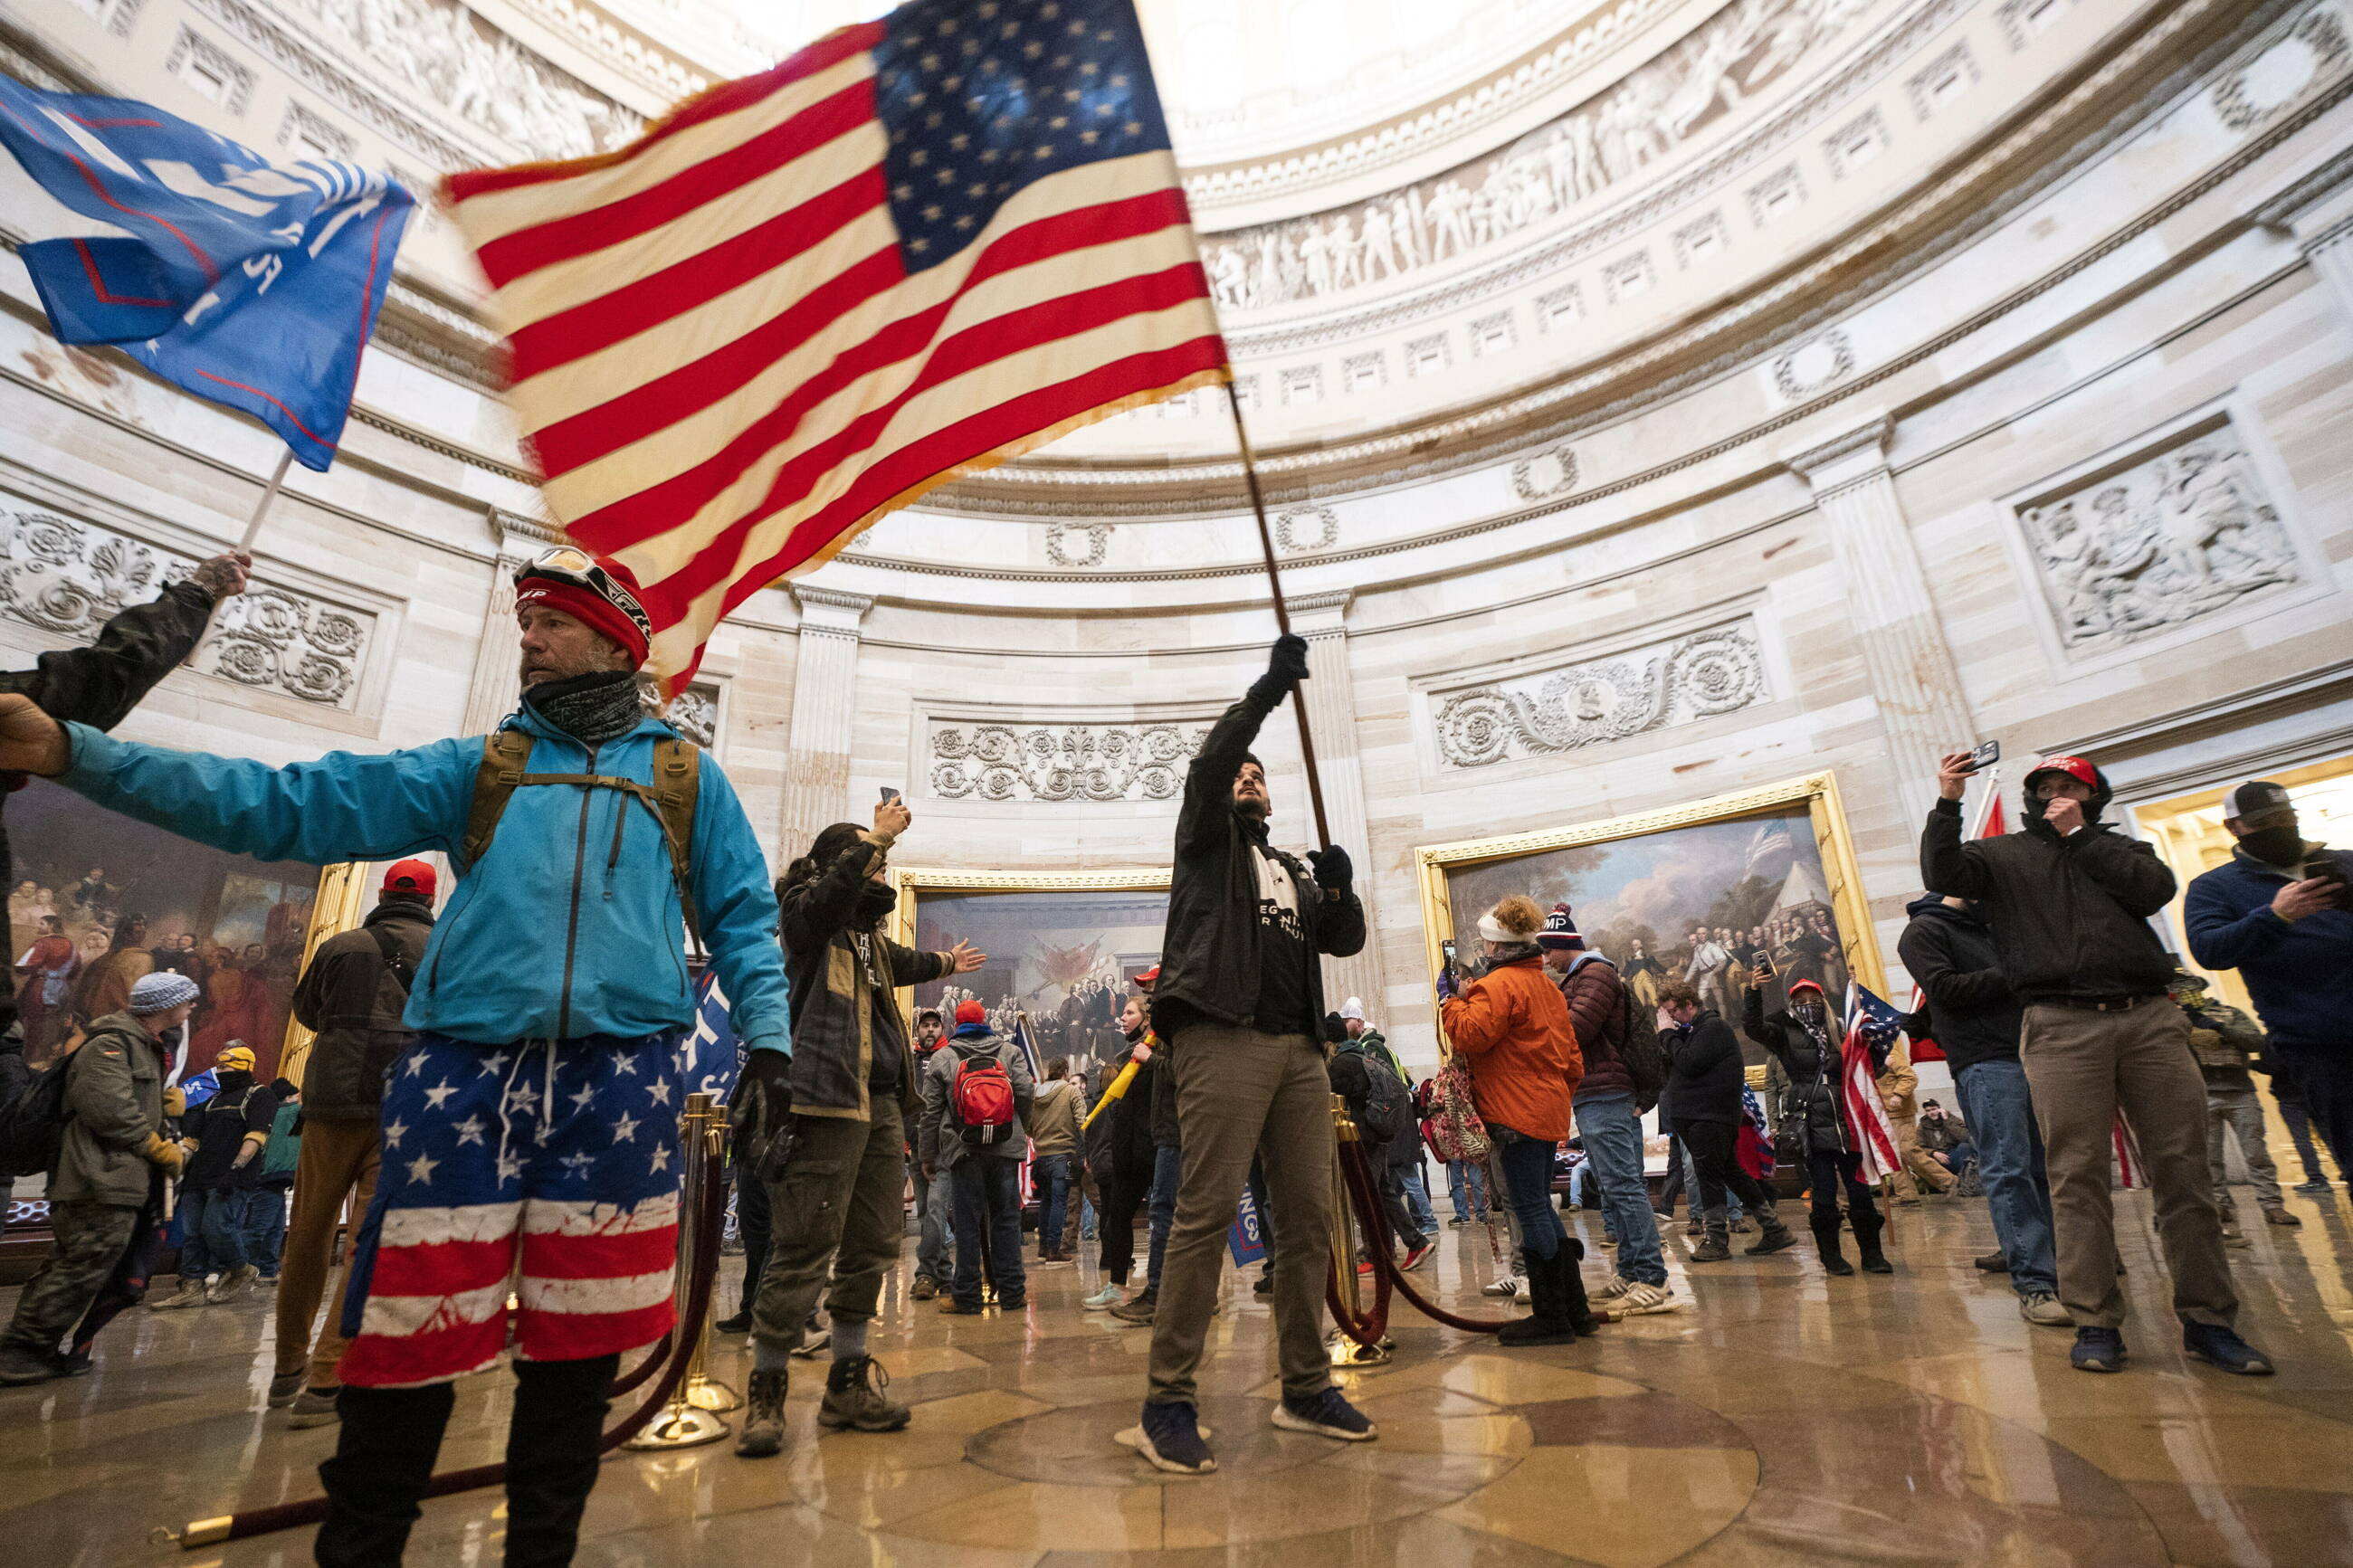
(1287, 665)
(1335, 1028)
(762, 1104)
(1333, 870)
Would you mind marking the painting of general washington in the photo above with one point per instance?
(100, 900)
(1062, 956)
(1707, 903)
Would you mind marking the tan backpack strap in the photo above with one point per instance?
(504, 754)
(677, 783)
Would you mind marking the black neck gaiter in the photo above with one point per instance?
(592, 709)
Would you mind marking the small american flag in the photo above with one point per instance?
(1872, 1026)
(917, 246)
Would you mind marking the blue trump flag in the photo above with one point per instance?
(714, 1054)
(244, 282)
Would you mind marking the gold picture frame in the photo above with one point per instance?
(911, 881)
(341, 900)
(1818, 791)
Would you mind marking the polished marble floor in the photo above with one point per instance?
(1782, 1417)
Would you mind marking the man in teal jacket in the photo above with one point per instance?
(529, 1143)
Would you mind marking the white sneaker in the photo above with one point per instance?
(1509, 1285)
(1639, 1298)
(2043, 1308)
(1609, 1290)
(1104, 1300)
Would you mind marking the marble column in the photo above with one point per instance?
(1913, 674)
(2318, 213)
(825, 711)
(1330, 697)
(497, 683)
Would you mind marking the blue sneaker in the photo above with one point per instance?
(1327, 1415)
(2097, 1349)
(1172, 1440)
(2218, 1346)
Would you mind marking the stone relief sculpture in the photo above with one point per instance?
(2177, 536)
(1062, 761)
(1741, 50)
(67, 576)
(1588, 704)
(693, 712)
(480, 75)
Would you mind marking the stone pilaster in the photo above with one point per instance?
(1911, 666)
(496, 685)
(824, 709)
(1330, 695)
(2317, 212)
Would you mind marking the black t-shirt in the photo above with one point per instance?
(883, 1069)
(220, 1125)
(1283, 976)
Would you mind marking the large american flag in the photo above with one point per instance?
(917, 246)
(1871, 1028)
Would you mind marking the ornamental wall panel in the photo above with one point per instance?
(1054, 763)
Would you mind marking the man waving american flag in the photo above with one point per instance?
(919, 246)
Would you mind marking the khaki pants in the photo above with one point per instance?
(2081, 1066)
(1916, 1164)
(339, 1159)
(1241, 1093)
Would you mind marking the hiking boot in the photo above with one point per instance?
(741, 1323)
(313, 1408)
(763, 1416)
(1326, 1415)
(1775, 1238)
(233, 1284)
(2097, 1349)
(855, 1397)
(2042, 1307)
(190, 1294)
(283, 1388)
(1743, 1226)
(925, 1288)
(20, 1366)
(1993, 1262)
(1715, 1248)
(2275, 1214)
(2218, 1346)
(1108, 1297)
(1140, 1310)
(1170, 1437)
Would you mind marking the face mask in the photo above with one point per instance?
(874, 901)
(2278, 845)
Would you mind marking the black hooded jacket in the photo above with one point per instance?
(1812, 1097)
(1972, 1015)
(2069, 915)
(1211, 952)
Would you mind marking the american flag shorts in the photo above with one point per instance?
(546, 1171)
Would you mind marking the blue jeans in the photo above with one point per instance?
(1731, 1209)
(988, 1198)
(939, 1231)
(2001, 1113)
(1612, 1131)
(211, 1233)
(1050, 1176)
(264, 1232)
(1167, 1168)
(1466, 1189)
(1527, 1187)
(1416, 1199)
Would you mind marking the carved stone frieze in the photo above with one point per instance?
(1597, 700)
(1078, 545)
(1742, 51)
(1821, 360)
(2278, 76)
(68, 576)
(211, 71)
(1543, 475)
(1062, 762)
(1307, 528)
(693, 712)
(2184, 531)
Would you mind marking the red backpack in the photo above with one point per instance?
(982, 1098)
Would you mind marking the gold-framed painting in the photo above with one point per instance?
(1698, 891)
(1063, 946)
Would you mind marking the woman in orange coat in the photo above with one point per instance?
(1510, 1030)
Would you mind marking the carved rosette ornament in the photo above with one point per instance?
(1590, 704)
(1061, 536)
(1063, 761)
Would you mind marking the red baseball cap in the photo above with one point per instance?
(2077, 768)
(971, 1013)
(1146, 981)
(409, 877)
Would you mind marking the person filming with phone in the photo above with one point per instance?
(2068, 902)
(2280, 911)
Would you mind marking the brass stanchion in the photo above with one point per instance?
(689, 1421)
(1344, 1350)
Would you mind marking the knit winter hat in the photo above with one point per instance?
(587, 606)
(1559, 933)
(971, 1013)
(161, 992)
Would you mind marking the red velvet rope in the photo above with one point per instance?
(1364, 1191)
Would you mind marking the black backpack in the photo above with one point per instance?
(32, 1115)
(1388, 1109)
(1645, 1058)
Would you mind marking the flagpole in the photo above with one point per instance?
(1282, 612)
(261, 508)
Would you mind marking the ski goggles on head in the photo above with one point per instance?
(566, 563)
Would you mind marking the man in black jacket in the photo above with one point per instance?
(352, 995)
(1974, 1021)
(1240, 1000)
(1705, 1079)
(2068, 902)
(98, 685)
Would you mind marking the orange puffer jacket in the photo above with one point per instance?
(1512, 1031)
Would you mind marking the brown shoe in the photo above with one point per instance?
(763, 1416)
(2275, 1214)
(854, 1397)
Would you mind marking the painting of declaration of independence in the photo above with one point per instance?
(1700, 903)
(100, 900)
(1064, 958)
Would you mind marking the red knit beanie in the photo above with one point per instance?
(588, 608)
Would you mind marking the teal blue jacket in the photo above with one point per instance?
(569, 924)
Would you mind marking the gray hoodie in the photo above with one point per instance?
(940, 1137)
